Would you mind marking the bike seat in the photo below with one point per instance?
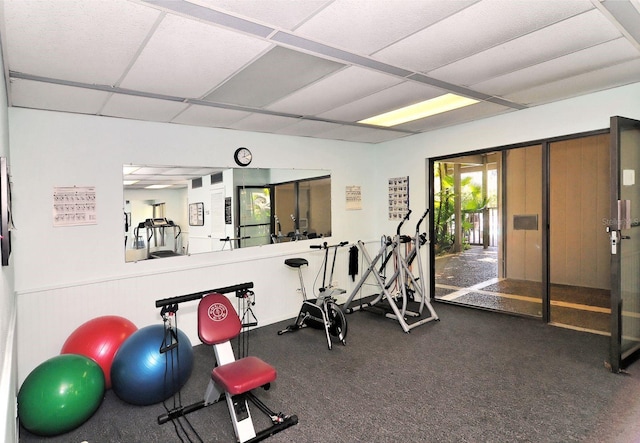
(296, 262)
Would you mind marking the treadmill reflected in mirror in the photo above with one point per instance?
(156, 230)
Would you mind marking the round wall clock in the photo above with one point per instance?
(242, 156)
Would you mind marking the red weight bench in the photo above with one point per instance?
(218, 324)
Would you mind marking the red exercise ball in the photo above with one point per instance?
(99, 339)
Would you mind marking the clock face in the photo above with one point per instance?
(242, 156)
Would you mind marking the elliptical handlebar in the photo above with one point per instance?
(421, 219)
(406, 217)
(326, 246)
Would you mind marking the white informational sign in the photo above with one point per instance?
(354, 198)
(74, 206)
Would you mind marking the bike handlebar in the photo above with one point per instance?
(325, 246)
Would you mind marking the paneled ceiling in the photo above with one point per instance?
(312, 67)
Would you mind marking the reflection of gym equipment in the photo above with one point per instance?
(409, 288)
(155, 230)
(233, 242)
(296, 235)
(321, 312)
(218, 324)
(276, 238)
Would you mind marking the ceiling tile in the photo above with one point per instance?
(539, 46)
(357, 27)
(618, 75)
(263, 123)
(142, 108)
(187, 58)
(285, 14)
(92, 42)
(457, 116)
(379, 136)
(591, 59)
(360, 134)
(307, 128)
(274, 75)
(335, 90)
(209, 116)
(38, 95)
(386, 100)
(476, 28)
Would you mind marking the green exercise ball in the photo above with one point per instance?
(60, 394)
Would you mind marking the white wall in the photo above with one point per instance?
(8, 338)
(65, 276)
(68, 275)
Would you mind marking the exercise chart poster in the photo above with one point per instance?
(354, 198)
(74, 206)
(398, 197)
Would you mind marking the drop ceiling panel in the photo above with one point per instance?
(38, 95)
(537, 47)
(263, 123)
(274, 75)
(307, 128)
(76, 40)
(591, 59)
(357, 27)
(362, 135)
(335, 90)
(378, 136)
(476, 28)
(474, 112)
(285, 14)
(618, 75)
(391, 98)
(187, 58)
(209, 116)
(142, 108)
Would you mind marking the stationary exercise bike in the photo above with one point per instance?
(322, 312)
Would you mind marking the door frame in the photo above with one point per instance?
(618, 357)
(545, 144)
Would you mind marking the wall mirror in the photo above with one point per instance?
(171, 211)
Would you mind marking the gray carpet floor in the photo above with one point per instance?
(473, 376)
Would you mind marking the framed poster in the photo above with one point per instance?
(196, 214)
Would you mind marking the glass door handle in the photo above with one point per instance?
(613, 239)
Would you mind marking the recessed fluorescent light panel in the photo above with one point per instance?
(130, 182)
(438, 105)
(157, 186)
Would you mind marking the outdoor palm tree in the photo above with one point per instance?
(471, 201)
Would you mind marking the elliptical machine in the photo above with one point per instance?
(322, 312)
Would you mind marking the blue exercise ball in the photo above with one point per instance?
(143, 375)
